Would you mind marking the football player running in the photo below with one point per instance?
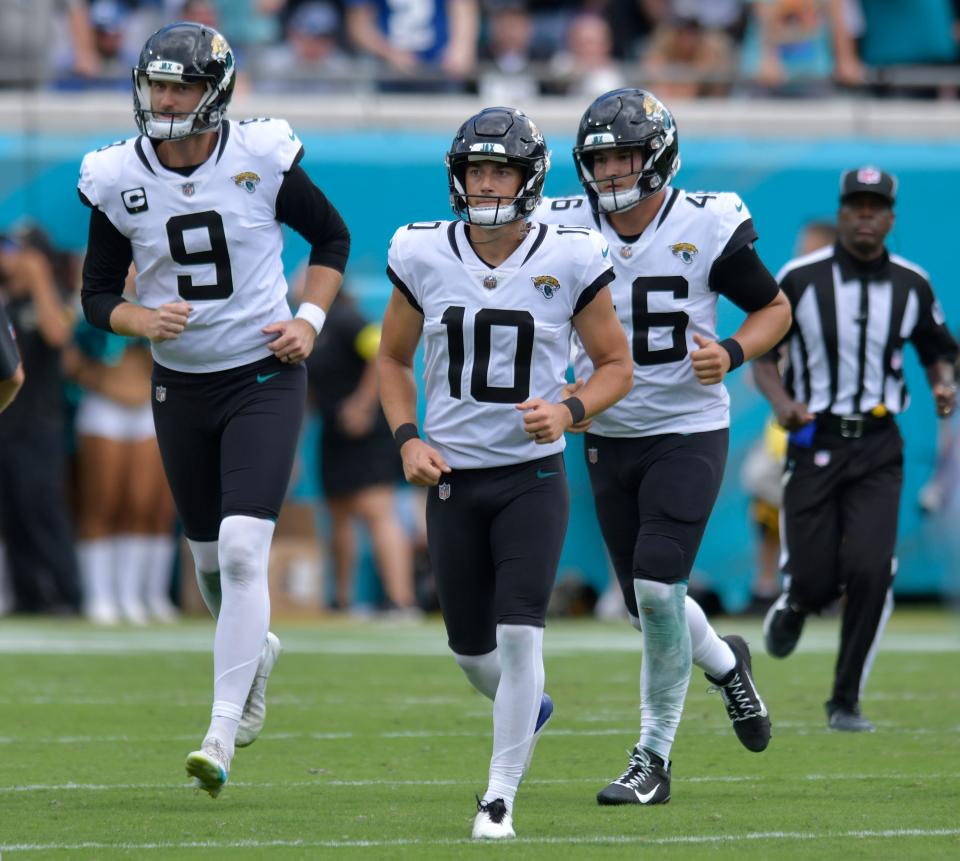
(196, 202)
(656, 458)
(496, 298)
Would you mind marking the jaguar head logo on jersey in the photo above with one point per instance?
(547, 285)
(686, 251)
(247, 180)
(444, 491)
(183, 53)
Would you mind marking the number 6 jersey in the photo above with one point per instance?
(211, 238)
(663, 296)
(494, 336)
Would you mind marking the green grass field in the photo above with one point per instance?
(375, 746)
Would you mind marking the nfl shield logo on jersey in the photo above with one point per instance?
(188, 188)
(593, 455)
(626, 251)
(444, 490)
(161, 394)
(490, 282)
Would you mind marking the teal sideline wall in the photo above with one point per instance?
(380, 180)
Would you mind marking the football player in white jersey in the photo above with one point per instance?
(656, 458)
(496, 299)
(196, 202)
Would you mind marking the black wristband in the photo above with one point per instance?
(577, 409)
(405, 433)
(735, 351)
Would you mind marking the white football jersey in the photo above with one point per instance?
(211, 238)
(663, 298)
(494, 337)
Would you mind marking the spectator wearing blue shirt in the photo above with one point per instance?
(418, 44)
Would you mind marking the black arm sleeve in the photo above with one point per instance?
(105, 267)
(9, 355)
(306, 209)
(744, 280)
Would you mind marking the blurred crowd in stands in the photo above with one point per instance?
(509, 50)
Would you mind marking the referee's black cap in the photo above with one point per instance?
(868, 180)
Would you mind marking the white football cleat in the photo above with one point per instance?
(255, 708)
(209, 766)
(493, 821)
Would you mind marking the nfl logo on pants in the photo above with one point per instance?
(161, 394)
(444, 490)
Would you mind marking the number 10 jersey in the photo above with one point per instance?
(211, 238)
(494, 336)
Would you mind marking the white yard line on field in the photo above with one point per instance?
(422, 640)
(580, 840)
(320, 784)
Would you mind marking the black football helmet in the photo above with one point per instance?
(628, 118)
(498, 134)
(184, 53)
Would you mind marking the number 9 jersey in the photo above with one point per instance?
(494, 336)
(211, 237)
(663, 297)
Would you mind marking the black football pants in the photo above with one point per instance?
(839, 525)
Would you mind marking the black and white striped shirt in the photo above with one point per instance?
(851, 319)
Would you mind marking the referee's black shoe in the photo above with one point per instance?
(844, 719)
(745, 708)
(782, 627)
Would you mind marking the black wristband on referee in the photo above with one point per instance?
(405, 433)
(577, 409)
(734, 350)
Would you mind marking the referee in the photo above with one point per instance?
(854, 306)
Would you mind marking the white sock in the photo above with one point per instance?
(96, 560)
(515, 707)
(159, 569)
(133, 568)
(665, 670)
(223, 725)
(206, 563)
(482, 671)
(244, 549)
(709, 652)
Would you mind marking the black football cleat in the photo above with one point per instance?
(745, 708)
(646, 781)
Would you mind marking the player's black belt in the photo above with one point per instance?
(852, 427)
